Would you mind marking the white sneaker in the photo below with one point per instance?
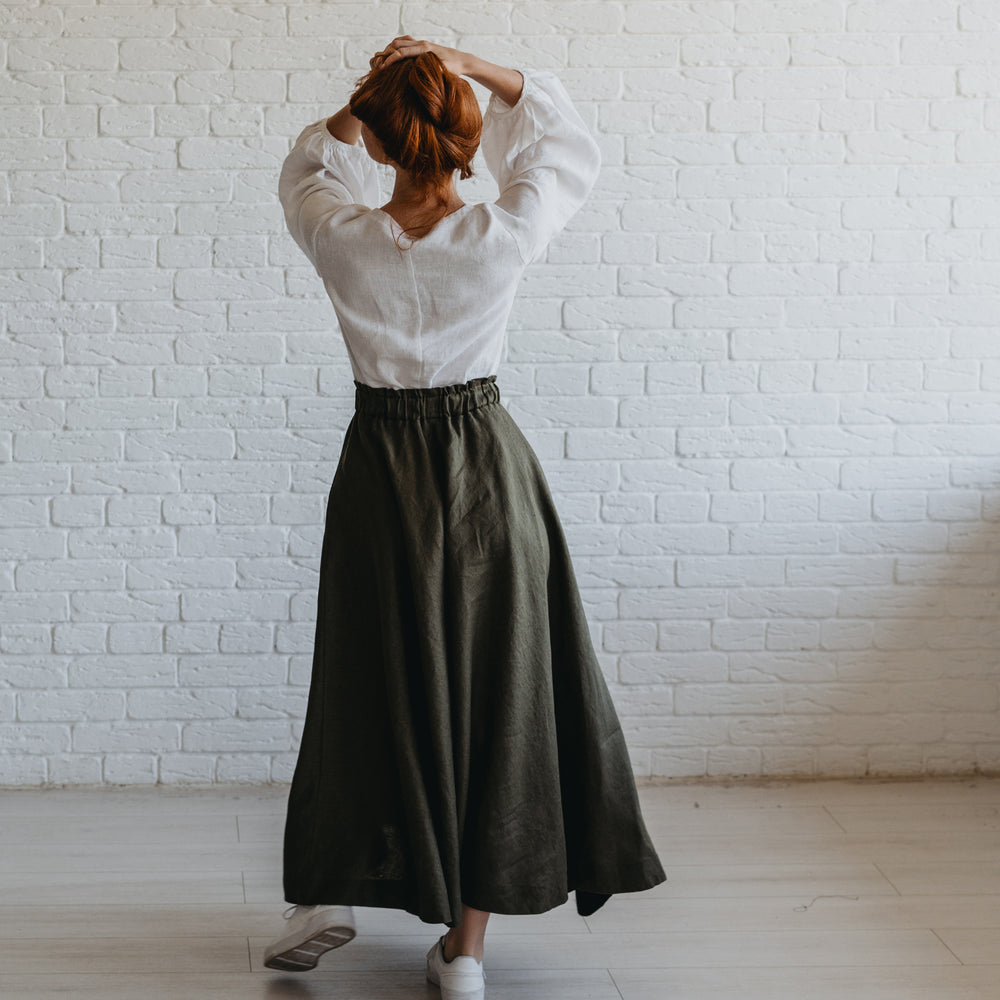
(460, 979)
(311, 932)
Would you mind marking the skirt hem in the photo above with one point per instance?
(378, 895)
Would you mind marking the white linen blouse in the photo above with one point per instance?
(436, 313)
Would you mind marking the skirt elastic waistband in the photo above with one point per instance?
(432, 401)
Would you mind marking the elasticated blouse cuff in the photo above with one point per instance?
(329, 141)
(498, 106)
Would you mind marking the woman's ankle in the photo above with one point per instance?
(452, 948)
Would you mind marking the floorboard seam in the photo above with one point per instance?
(895, 889)
(945, 943)
(826, 809)
(614, 983)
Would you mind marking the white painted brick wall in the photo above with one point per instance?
(761, 369)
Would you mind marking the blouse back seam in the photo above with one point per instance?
(420, 312)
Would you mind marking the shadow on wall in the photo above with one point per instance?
(879, 658)
(905, 677)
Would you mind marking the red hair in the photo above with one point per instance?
(427, 120)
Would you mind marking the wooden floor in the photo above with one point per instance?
(812, 891)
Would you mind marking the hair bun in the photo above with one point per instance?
(426, 117)
(435, 96)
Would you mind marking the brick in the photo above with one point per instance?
(122, 86)
(786, 16)
(806, 83)
(130, 769)
(68, 706)
(30, 86)
(695, 667)
(903, 16)
(123, 22)
(723, 699)
(256, 19)
(61, 54)
(729, 571)
(835, 49)
(198, 703)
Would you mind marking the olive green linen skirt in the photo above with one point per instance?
(460, 743)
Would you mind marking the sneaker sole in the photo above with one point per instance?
(476, 994)
(306, 954)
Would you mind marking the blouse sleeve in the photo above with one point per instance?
(321, 179)
(544, 159)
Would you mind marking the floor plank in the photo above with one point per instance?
(770, 880)
(944, 876)
(124, 955)
(820, 912)
(813, 983)
(181, 888)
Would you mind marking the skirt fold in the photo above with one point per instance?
(460, 742)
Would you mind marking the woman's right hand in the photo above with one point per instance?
(405, 46)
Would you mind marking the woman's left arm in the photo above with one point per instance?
(344, 126)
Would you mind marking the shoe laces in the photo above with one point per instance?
(289, 913)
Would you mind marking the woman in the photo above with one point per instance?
(461, 754)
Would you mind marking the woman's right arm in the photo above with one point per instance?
(543, 157)
(505, 83)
